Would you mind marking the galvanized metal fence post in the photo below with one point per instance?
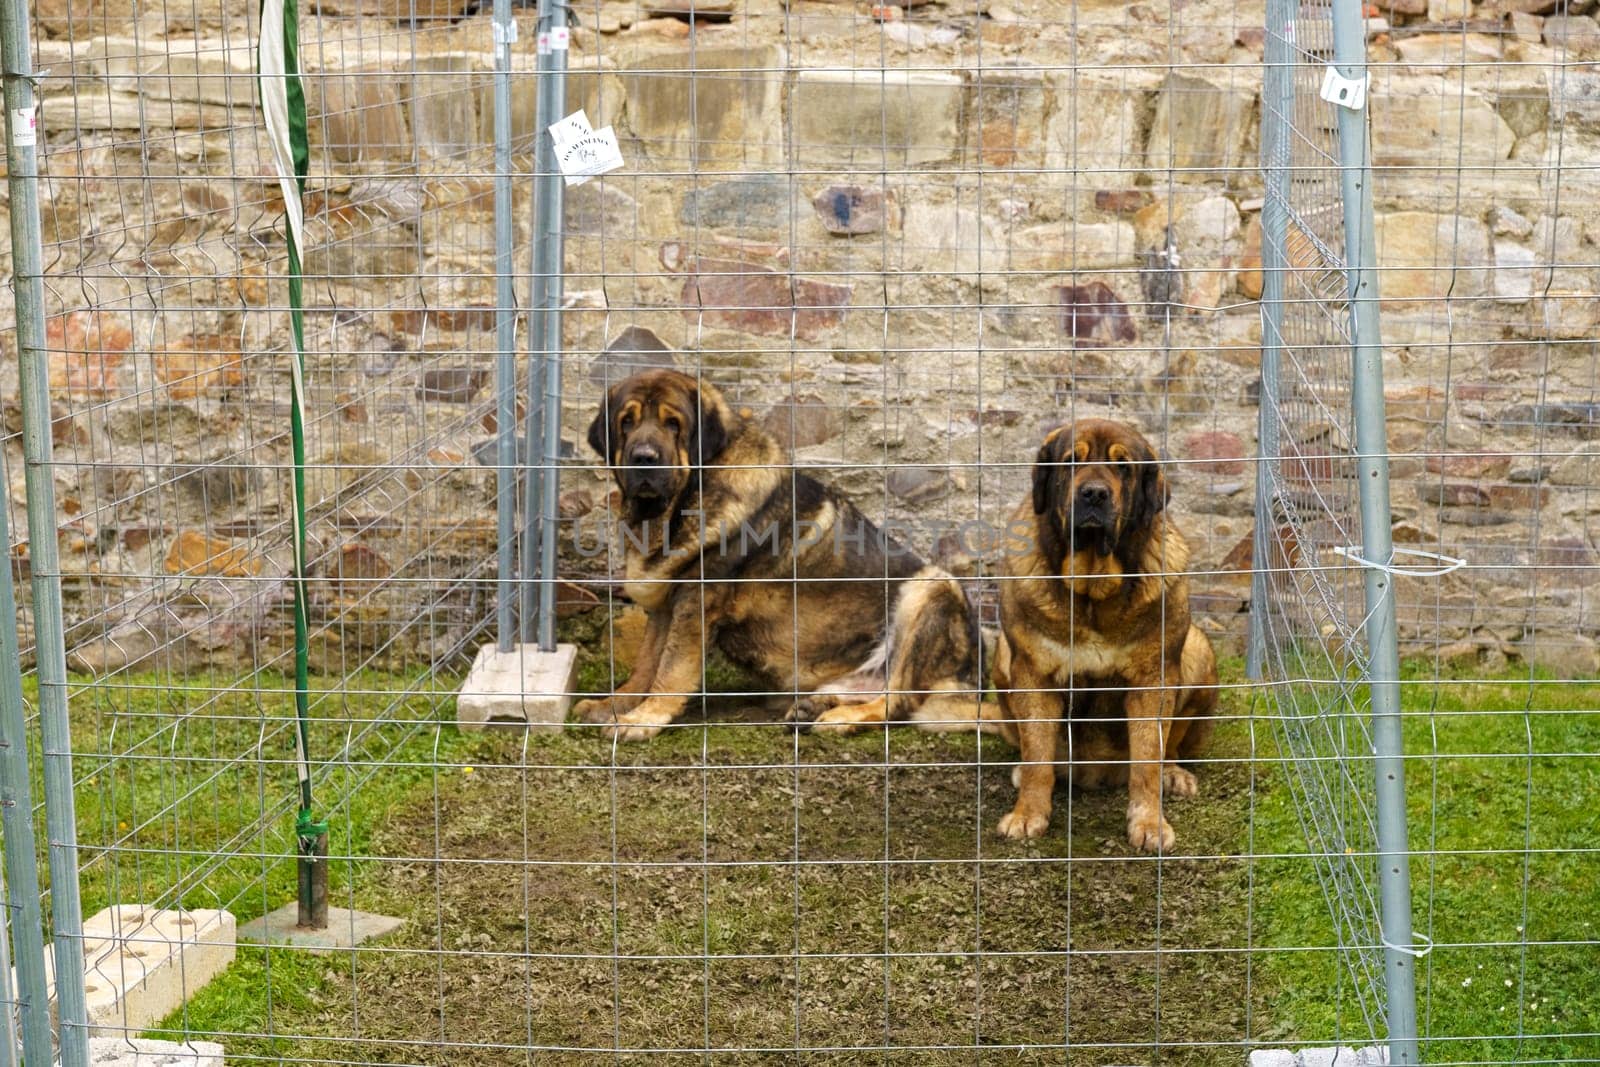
(543, 446)
(505, 323)
(8, 998)
(533, 427)
(21, 879)
(50, 653)
(1277, 111)
(1372, 469)
(554, 86)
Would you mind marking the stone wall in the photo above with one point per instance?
(909, 243)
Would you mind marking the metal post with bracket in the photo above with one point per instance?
(1344, 87)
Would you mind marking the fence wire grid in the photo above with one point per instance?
(905, 243)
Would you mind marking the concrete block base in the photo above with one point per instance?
(1371, 1056)
(141, 964)
(140, 1052)
(345, 928)
(523, 687)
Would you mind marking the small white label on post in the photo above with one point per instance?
(560, 37)
(544, 44)
(24, 127)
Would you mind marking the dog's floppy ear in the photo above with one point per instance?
(1151, 497)
(600, 428)
(1046, 466)
(710, 434)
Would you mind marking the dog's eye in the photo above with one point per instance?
(674, 425)
(627, 422)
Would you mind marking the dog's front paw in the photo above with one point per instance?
(1178, 782)
(1023, 824)
(1149, 831)
(595, 710)
(642, 723)
(803, 712)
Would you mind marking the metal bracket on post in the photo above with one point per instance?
(313, 873)
(1372, 467)
(1346, 92)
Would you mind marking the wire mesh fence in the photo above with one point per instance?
(902, 244)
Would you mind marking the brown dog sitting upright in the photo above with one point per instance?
(725, 544)
(1096, 646)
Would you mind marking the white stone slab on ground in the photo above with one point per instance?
(1334, 1056)
(345, 928)
(141, 1052)
(140, 964)
(522, 687)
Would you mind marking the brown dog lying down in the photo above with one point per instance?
(1096, 645)
(725, 545)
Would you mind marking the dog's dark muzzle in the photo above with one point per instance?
(648, 489)
(1091, 506)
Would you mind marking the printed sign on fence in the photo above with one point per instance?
(583, 152)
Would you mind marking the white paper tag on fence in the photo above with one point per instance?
(588, 156)
(544, 44)
(560, 37)
(24, 127)
(574, 127)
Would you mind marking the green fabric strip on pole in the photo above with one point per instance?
(283, 103)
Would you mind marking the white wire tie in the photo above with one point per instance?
(1450, 563)
(1346, 92)
(1410, 950)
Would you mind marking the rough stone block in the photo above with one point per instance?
(1429, 256)
(1449, 10)
(1573, 36)
(356, 117)
(709, 108)
(876, 117)
(760, 300)
(1071, 246)
(1011, 106)
(1450, 50)
(183, 69)
(1205, 128)
(524, 685)
(1575, 96)
(1513, 272)
(946, 239)
(1434, 122)
(141, 964)
(143, 1052)
(760, 204)
(1251, 280)
(1567, 316)
(443, 92)
(598, 92)
(849, 210)
(1094, 128)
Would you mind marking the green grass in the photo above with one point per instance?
(501, 949)
(186, 788)
(1505, 883)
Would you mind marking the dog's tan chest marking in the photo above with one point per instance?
(1083, 655)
